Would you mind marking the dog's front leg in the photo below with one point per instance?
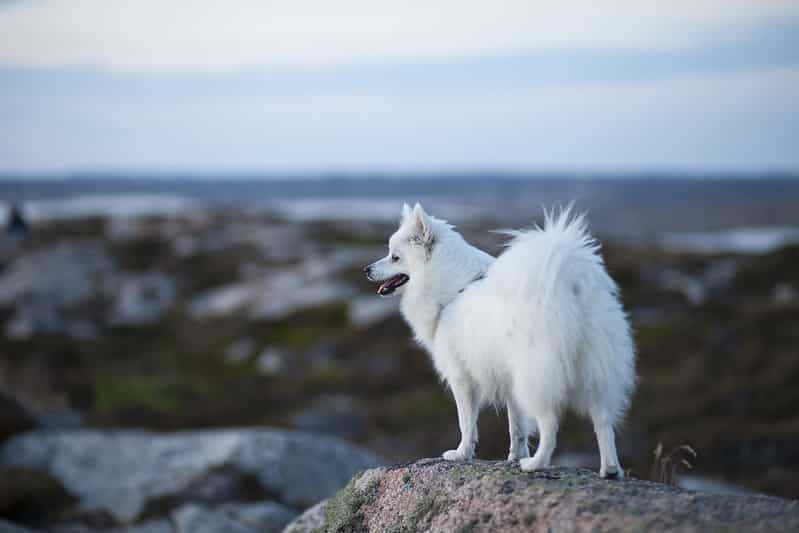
(468, 409)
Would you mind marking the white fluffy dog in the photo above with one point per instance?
(538, 329)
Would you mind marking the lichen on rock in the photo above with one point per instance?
(436, 495)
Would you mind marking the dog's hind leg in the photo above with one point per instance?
(606, 439)
(519, 426)
(468, 408)
(548, 432)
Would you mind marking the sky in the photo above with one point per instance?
(311, 86)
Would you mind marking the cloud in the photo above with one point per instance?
(205, 35)
(762, 46)
(743, 120)
(359, 86)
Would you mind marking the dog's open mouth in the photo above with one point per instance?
(392, 284)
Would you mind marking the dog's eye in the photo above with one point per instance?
(394, 258)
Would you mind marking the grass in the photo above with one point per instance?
(117, 393)
(305, 328)
(666, 466)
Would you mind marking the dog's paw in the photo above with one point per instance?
(530, 464)
(456, 455)
(520, 453)
(611, 472)
(516, 455)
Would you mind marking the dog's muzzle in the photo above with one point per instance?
(387, 286)
(368, 271)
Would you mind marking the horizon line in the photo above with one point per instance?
(389, 174)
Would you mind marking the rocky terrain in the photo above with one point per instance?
(198, 481)
(435, 495)
(205, 319)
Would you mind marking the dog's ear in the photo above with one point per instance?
(422, 226)
(406, 213)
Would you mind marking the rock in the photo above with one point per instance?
(310, 521)
(44, 287)
(717, 276)
(275, 294)
(436, 495)
(32, 497)
(365, 311)
(14, 417)
(285, 292)
(233, 518)
(8, 527)
(41, 316)
(239, 351)
(273, 297)
(265, 517)
(280, 243)
(64, 275)
(60, 418)
(272, 361)
(196, 519)
(332, 414)
(143, 299)
(691, 288)
(150, 526)
(784, 294)
(125, 474)
(221, 301)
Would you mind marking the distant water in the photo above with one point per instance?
(755, 240)
(635, 208)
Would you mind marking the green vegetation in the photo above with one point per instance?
(123, 393)
(343, 511)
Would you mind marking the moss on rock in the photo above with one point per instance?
(343, 511)
(435, 495)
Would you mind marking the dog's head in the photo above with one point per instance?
(409, 249)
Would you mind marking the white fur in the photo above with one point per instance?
(538, 329)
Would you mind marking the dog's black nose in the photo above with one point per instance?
(366, 269)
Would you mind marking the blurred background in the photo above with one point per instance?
(190, 190)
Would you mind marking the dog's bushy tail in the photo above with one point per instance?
(562, 245)
(566, 290)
